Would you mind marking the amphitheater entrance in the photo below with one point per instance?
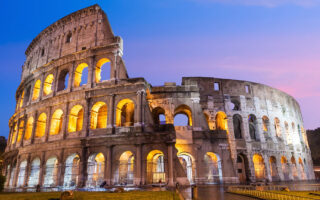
(242, 167)
(34, 173)
(71, 173)
(273, 169)
(156, 167)
(294, 169)
(212, 168)
(51, 173)
(259, 167)
(187, 164)
(302, 172)
(22, 172)
(285, 168)
(13, 171)
(95, 170)
(126, 169)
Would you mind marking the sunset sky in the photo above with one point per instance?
(274, 42)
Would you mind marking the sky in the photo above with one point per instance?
(274, 42)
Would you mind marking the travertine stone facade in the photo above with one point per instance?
(80, 121)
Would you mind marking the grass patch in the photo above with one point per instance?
(273, 195)
(132, 195)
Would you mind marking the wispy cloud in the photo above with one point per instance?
(265, 3)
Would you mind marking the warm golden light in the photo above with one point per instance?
(100, 63)
(184, 109)
(47, 85)
(36, 90)
(41, 125)
(210, 123)
(14, 135)
(75, 119)
(21, 128)
(78, 74)
(99, 115)
(259, 167)
(29, 128)
(277, 126)
(21, 100)
(125, 113)
(221, 121)
(265, 124)
(56, 122)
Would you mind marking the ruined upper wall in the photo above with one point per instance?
(81, 30)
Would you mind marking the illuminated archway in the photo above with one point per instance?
(36, 90)
(51, 172)
(99, 115)
(213, 171)
(34, 173)
(29, 128)
(222, 121)
(47, 85)
(14, 134)
(259, 167)
(22, 172)
(126, 168)
(125, 113)
(95, 170)
(56, 122)
(20, 132)
(294, 169)
(100, 68)
(183, 110)
(78, 74)
(41, 125)
(303, 175)
(265, 124)
(186, 161)
(156, 167)
(13, 172)
(273, 169)
(277, 127)
(72, 170)
(285, 168)
(21, 100)
(75, 119)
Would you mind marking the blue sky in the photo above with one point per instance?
(275, 42)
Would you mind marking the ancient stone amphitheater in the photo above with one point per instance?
(81, 122)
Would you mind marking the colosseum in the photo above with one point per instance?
(81, 122)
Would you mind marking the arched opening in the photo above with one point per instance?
(63, 80)
(241, 168)
(20, 132)
(56, 122)
(36, 90)
(294, 169)
(259, 167)
(103, 70)
(29, 127)
(22, 172)
(14, 134)
(13, 172)
(41, 125)
(303, 175)
(34, 173)
(126, 169)
(285, 168)
(51, 173)
(213, 170)
(69, 37)
(265, 124)
(71, 174)
(158, 114)
(155, 167)
(222, 121)
(125, 113)
(75, 119)
(7, 175)
(187, 164)
(289, 139)
(252, 120)
(47, 85)
(235, 104)
(21, 100)
(99, 115)
(27, 95)
(96, 166)
(237, 126)
(277, 127)
(183, 116)
(81, 75)
(273, 169)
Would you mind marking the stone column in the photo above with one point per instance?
(83, 167)
(138, 165)
(47, 131)
(260, 130)
(267, 167)
(139, 109)
(42, 168)
(113, 67)
(65, 121)
(24, 129)
(41, 87)
(55, 82)
(61, 168)
(111, 108)
(170, 165)
(91, 70)
(109, 166)
(27, 171)
(34, 127)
